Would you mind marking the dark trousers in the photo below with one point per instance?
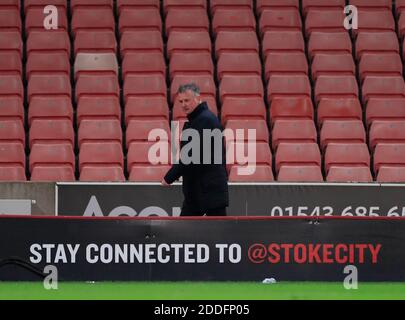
(188, 211)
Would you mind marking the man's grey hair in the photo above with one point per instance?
(189, 86)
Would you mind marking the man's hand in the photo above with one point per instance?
(164, 183)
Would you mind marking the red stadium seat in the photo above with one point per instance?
(346, 155)
(329, 43)
(51, 132)
(324, 21)
(385, 109)
(293, 154)
(144, 85)
(47, 63)
(58, 158)
(285, 63)
(296, 173)
(262, 173)
(375, 21)
(336, 87)
(338, 131)
(143, 63)
(241, 86)
(230, 4)
(10, 4)
(382, 131)
(95, 64)
(12, 173)
(243, 108)
(333, 64)
(102, 173)
(389, 64)
(249, 162)
(11, 85)
(339, 109)
(10, 20)
(10, 63)
(238, 64)
(146, 108)
(191, 63)
(372, 4)
(293, 108)
(101, 85)
(189, 20)
(95, 108)
(280, 20)
(288, 86)
(401, 26)
(91, 4)
(95, 42)
(48, 42)
(12, 162)
(40, 4)
(297, 131)
(101, 155)
(145, 173)
(236, 42)
(140, 20)
(34, 20)
(146, 154)
(308, 5)
(53, 174)
(100, 19)
(50, 107)
(188, 42)
(383, 87)
(180, 4)
(12, 131)
(205, 82)
(11, 108)
(52, 84)
(370, 42)
(243, 153)
(99, 131)
(349, 174)
(389, 155)
(242, 130)
(262, 5)
(139, 4)
(141, 41)
(233, 20)
(11, 41)
(391, 175)
(403, 48)
(142, 130)
(282, 42)
(399, 7)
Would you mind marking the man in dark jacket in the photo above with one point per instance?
(205, 180)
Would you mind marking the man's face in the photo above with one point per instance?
(188, 101)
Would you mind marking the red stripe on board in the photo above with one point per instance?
(229, 218)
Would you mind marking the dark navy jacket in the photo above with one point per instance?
(205, 186)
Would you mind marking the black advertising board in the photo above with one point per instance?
(203, 249)
(277, 200)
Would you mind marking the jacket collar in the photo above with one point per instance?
(200, 108)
